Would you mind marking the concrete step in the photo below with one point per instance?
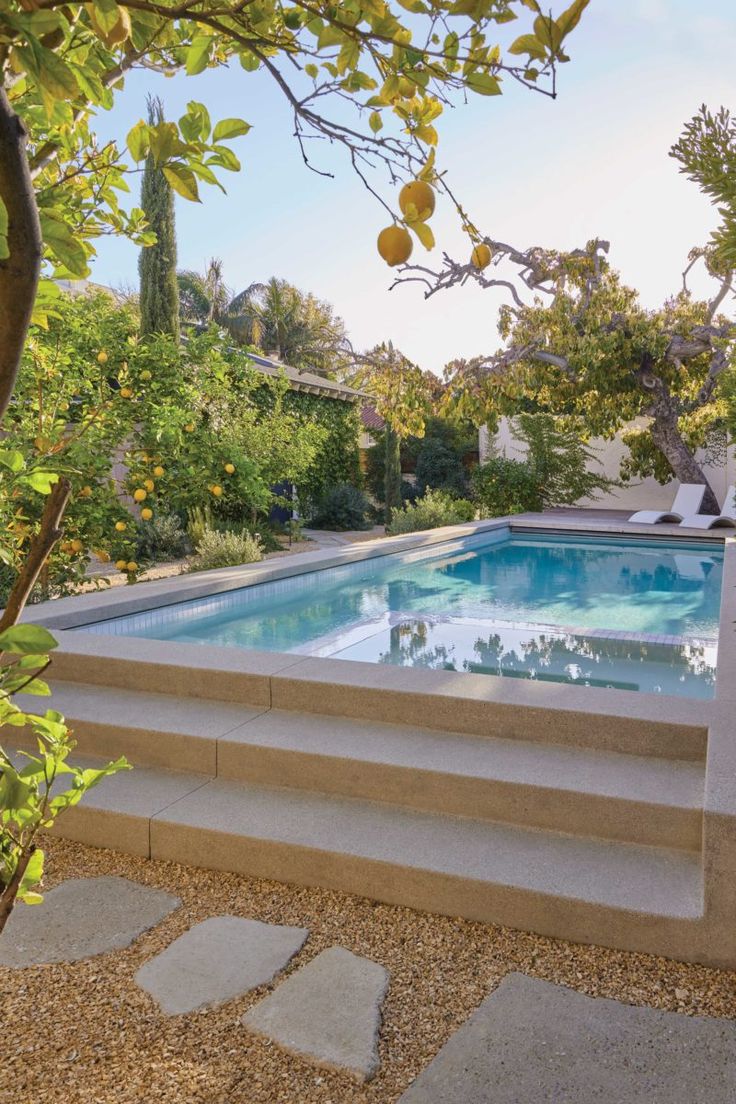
(639, 799)
(633, 897)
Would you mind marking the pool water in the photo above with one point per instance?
(612, 612)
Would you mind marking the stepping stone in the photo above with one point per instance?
(80, 918)
(216, 960)
(328, 1012)
(534, 1041)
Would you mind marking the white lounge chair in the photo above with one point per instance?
(688, 501)
(726, 518)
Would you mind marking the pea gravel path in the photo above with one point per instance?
(86, 1034)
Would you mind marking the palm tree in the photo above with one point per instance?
(203, 296)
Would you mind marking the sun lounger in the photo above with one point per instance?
(726, 518)
(687, 502)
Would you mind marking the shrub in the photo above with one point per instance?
(162, 539)
(503, 486)
(342, 507)
(559, 459)
(440, 468)
(226, 549)
(430, 512)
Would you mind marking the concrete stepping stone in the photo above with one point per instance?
(534, 1041)
(328, 1012)
(80, 918)
(216, 960)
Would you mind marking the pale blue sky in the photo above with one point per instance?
(529, 170)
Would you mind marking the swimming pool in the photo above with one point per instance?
(608, 612)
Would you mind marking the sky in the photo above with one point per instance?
(530, 171)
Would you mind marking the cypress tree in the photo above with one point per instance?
(159, 292)
(392, 485)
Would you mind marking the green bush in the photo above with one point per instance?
(161, 539)
(226, 549)
(342, 507)
(503, 486)
(430, 512)
(440, 468)
(559, 458)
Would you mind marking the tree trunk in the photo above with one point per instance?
(668, 439)
(19, 272)
(392, 480)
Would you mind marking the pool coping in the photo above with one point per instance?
(68, 616)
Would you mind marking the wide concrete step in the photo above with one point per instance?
(543, 785)
(624, 895)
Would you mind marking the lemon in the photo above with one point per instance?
(76, 545)
(121, 565)
(216, 490)
(481, 256)
(126, 393)
(189, 427)
(146, 514)
(395, 245)
(131, 565)
(420, 195)
(158, 470)
(145, 374)
(120, 526)
(229, 468)
(102, 357)
(86, 492)
(139, 495)
(148, 484)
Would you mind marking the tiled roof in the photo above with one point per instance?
(370, 417)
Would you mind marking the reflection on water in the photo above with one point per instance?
(544, 655)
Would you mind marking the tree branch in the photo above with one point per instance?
(39, 551)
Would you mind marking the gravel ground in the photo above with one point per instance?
(85, 1033)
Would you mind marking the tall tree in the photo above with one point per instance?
(583, 345)
(159, 292)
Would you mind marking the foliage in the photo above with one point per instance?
(226, 548)
(504, 486)
(159, 297)
(430, 512)
(29, 798)
(342, 507)
(440, 468)
(401, 392)
(391, 471)
(706, 152)
(161, 539)
(188, 425)
(559, 459)
(63, 62)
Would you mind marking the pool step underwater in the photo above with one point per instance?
(594, 846)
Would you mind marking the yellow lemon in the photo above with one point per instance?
(148, 484)
(216, 490)
(229, 468)
(120, 526)
(481, 256)
(395, 245)
(139, 495)
(76, 545)
(145, 374)
(132, 565)
(86, 492)
(121, 565)
(158, 470)
(126, 393)
(189, 427)
(102, 555)
(102, 357)
(146, 514)
(420, 195)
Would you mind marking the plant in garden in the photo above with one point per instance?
(502, 486)
(584, 347)
(226, 548)
(342, 507)
(161, 538)
(430, 512)
(159, 291)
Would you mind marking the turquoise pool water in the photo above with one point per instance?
(638, 615)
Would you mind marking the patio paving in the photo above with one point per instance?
(217, 960)
(328, 1012)
(535, 1041)
(80, 918)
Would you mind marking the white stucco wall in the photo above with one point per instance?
(647, 494)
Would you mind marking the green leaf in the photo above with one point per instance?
(375, 121)
(66, 249)
(4, 250)
(570, 18)
(485, 84)
(31, 878)
(182, 180)
(528, 44)
(199, 54)
(230, 128)
(27, 640)
(12, 460)
(107, 14)
(138, 141)
(41, 481)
